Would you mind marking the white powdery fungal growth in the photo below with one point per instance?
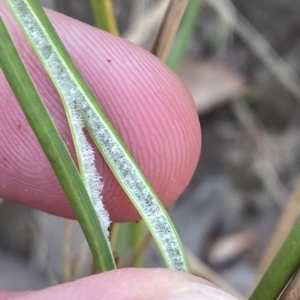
(91, 178)
(73, 97)
(145, 199)
(79, 107)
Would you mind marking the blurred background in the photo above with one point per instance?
(241, 65)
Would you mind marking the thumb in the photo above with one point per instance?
(129, 284)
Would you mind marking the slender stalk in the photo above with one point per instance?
(281, 269)
(72, 88)
(129, 238)
(54, 148)
(168, 28)
(184, 34)
(104, 15)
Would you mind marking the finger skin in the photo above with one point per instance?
(128, 284)
(146, 102)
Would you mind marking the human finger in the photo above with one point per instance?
(130, 284)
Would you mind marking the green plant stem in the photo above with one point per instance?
(281, 269)
(128, 239)
(184, 34)
(104, 15)
(54, 148)
(137, 235)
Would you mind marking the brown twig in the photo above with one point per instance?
(200, 269)
(258, 44)
(168, 28)
(66, 251)
(261, 143)
(140, 31)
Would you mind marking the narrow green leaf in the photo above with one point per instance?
(129, 238)
(54, 148)
(72, 88)
(184, 34)
(137, 235)
(281, 269)
(104, 15)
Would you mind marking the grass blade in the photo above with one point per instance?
(184, 34)
(54, 148)
(104, 15)
(73, 88)
(281, 269)
(129, 238)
